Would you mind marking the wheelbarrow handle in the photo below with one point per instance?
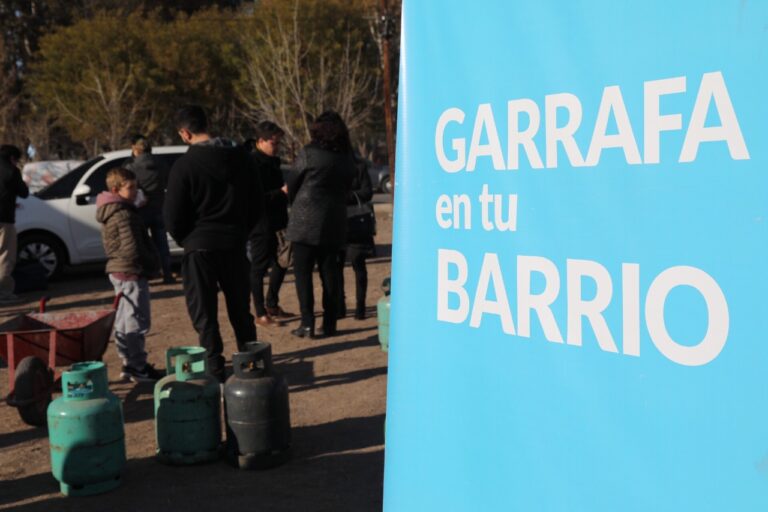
(44, 301)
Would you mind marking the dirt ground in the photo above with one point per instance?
(337, 396)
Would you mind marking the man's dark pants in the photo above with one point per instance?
(357, 255)
(263, 257)
(204, 272)
(153, 220)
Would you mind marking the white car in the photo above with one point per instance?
(57, 225)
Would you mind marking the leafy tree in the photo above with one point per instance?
(9, 100)
(96, 79)
(99, 77)
(198, 60)
(22, 22)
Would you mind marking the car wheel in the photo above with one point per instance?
(45, 249)
(386, 185)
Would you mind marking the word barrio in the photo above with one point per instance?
(456, 304)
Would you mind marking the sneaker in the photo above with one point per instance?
(303, 331)
(146, 374)
(266, 321)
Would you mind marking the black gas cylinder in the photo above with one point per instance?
(256, 410)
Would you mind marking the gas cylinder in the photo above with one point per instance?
(382, 313)
(256, 410)
(187, 409)
(85, 430)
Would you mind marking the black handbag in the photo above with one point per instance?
(361, 220)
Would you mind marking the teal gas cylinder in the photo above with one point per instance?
(382, 313)
(187, 409)
(85, 429)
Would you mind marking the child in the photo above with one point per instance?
(130, 259)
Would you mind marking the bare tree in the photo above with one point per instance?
(384, 25)
(293, 74)
(115, 97)
(37, 130)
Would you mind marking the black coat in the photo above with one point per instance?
(11, 187)
(213, 198)
(361, 192)
(361, 188)
(319, 197)
(275, 200)
(152, 176)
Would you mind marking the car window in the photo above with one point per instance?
(168, 159)
(98, 180)
(63, 187)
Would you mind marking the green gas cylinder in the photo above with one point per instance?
(382, 312)
(85, 429)
(187, 409)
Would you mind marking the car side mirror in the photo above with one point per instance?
(81, 194)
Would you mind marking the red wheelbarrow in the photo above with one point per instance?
(34, 344)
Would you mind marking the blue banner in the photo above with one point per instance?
(580, 258)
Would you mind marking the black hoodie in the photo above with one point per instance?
(213, 198)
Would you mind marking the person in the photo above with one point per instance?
(263, 241)
(318, 220)
(11, 187)
(152, 176)
(212, 202)
(131, 258)
(360, 243)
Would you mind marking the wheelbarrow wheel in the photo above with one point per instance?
(32, 390)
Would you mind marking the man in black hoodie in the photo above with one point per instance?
(212, 202)
(11, 187)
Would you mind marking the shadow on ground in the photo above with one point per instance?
(22, 436)
(323, 475)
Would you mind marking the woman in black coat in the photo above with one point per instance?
(360, 244)
(317, 227)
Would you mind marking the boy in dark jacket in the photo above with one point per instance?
(130, 259)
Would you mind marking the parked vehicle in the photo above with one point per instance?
(38, 175)
(57, 225)
(380, 178)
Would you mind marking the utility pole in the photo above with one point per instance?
(386, 29)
